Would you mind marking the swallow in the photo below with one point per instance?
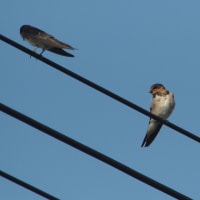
(162, 105)
(43, 40)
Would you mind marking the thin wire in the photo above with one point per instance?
(102, 157)
(100, 89)
(27, 186)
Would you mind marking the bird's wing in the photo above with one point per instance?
(60, 52)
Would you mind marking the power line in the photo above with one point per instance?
(100, 89)
(102, 157)
(27, 186)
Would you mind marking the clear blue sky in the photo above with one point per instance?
(126, 47)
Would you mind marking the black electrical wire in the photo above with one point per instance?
(27, 186)
(102, 157)
(99, 88)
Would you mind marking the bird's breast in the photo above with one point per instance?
(165, 106)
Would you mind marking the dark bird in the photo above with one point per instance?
(43, 40)
(162, 105)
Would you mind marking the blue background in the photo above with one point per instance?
(125, 46)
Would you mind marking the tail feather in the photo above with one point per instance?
(60, 52)
(151, 134)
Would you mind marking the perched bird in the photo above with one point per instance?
(40, 39)
(162, 105)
